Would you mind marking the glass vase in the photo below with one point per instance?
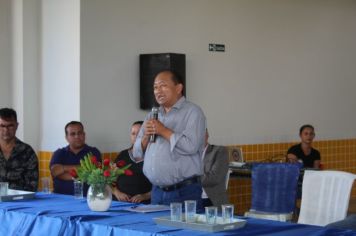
(99, 197)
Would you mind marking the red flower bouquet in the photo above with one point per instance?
(93, 172)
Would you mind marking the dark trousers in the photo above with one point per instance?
(207, 202)
(189, 192)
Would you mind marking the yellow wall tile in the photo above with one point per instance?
(335, 154)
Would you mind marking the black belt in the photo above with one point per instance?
(181, 184)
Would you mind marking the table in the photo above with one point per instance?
(55, 214)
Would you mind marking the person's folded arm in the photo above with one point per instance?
(62, 171)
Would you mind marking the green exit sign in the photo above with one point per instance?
(213, 47)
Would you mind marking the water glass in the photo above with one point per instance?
(176, 211)
(190, 210)
(45, 185)
(78, 189)
(4, 186)
(227, 213)
(211, 214)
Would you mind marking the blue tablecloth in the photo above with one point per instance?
(55, 214)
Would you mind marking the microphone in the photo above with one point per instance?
(154, 115)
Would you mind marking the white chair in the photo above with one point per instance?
(325, 196)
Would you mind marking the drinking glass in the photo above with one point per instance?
(210, 214)
(4, 186)
(227, 213)
(176, 211)
(78, 189)
(45, 185)
(190, 210)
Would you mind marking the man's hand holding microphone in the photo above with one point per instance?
(153, 128)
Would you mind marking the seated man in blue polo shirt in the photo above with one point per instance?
(68, 158)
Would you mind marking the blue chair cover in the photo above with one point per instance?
(274, 187)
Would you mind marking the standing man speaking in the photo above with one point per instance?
(173, 161)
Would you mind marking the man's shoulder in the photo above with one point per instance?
(22, 146)
(217, 149)
(90, 148)
(190, 104)
(61, 150)
(192, 107)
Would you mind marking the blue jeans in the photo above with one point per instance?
(190, 192)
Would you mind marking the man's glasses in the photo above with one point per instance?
(10, 126)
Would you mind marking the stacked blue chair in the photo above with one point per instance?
(274, 190)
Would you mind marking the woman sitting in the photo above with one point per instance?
(133, 188)
(304, 152)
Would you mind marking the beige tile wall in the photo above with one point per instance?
(335, 155)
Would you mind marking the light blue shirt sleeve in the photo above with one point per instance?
(137, 147)
(189, 140)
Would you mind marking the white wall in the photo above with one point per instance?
(60, 69)
(5, 53)
(39, 66)
(31, 76)
(286, 63)
(24, 76)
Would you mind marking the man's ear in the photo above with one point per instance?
(179, 88)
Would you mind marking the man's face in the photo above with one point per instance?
(75, 136)
(8, 129)
(165, 90)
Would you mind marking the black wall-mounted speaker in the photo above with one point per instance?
(150, 66)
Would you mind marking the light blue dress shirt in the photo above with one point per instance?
(170, 162)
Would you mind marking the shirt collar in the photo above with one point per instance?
(177, 105)
(85, 147)
(206, 147)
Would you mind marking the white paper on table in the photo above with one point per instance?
(147, 208)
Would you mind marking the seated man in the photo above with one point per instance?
(216, 165)
(18, 161)
(68, 158)
(132, 188)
